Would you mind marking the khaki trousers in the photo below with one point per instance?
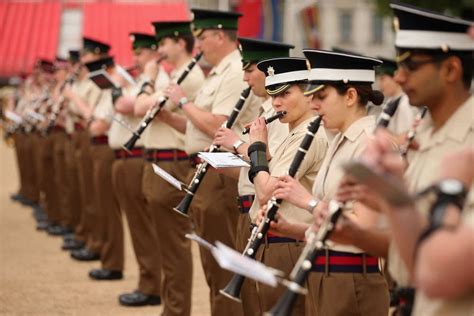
(25, 151)
(248, 294)
(108, 229)
(351, 294)
(72, 214)
(48, 178)
(22, 143)
(127, 177)
(215, 215)
(83, 231)
(170, 227)
(31, 167)
(60, 177)
(281, 256)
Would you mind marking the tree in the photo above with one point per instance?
(461, 8)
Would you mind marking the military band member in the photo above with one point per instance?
(165, 147)
(285, 82)
(54, 128)
(127, 174)
(74, 130)
(436, 72)
(214, 211)
(341, 88)
(109, 228)
(25, 142)
(253, 51)
(84, 96)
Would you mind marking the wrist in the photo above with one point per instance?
(182, 102)
(237, 144)
(311, 205)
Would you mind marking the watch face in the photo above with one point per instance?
(450, 186)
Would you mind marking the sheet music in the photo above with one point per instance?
(13, 117)
(166, 176)
(223, 160)
(234, 261)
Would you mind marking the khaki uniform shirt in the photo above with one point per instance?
(218, 95)
(277, 132)
(159, 134)
(423, 170)
(343, 148)
(104, 109)
(281, 162)
(87, 90)
(118, 134)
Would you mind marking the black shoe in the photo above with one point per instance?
(56, 230)
(72, 244)
(43, 225)
(84, 254)
(104, 274)
(39, 214)
(69, 236)
(138, 299)
(17, 197)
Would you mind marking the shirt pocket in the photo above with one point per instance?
(206, 96)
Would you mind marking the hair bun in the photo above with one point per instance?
(376, 97)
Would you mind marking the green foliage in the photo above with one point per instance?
(462, 8)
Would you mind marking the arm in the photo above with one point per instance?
(85, 108)
(175, 120)
(125, 105)
(98, 127)
(143, 103)
(446, 273)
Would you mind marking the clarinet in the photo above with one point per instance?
(388, 112)
(233, 288)
(268, 120)
(412, 132)
(303, 267)
(57, 106)
(183, 206)
(300, 272)
(155, 109)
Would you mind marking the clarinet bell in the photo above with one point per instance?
(183, 206)
(233, 288)
(128, 146)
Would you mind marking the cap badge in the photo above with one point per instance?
(396, 24)
(271, 71)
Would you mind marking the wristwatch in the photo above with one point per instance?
(237, 144)
(182, 102)
(453, 190)
(451, 186)
(312, 205)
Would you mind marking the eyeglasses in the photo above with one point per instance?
(410, 65)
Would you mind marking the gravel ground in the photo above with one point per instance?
(38, 278)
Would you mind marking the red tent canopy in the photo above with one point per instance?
(27, 31)
(112, 23)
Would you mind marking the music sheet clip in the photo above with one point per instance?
(167, 177)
